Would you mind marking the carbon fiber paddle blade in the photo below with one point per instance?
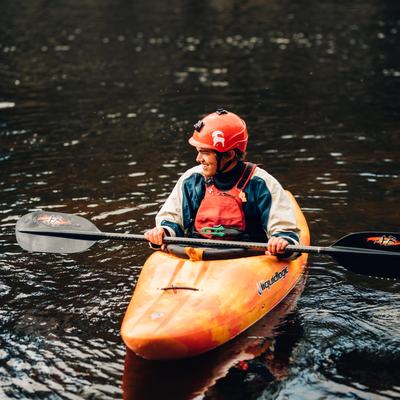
(55, 221)
(379, 265)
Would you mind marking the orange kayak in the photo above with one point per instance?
(181, 308)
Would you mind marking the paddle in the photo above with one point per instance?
(368, 253)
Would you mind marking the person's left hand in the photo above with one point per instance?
(155, 235)
(276, 245)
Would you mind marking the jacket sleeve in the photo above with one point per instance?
(170, 215)
(282, 221)
(276, 210)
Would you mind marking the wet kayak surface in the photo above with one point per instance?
(97, 102)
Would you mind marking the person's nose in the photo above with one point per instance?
(199, 157)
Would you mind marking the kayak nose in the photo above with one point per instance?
(156, 348)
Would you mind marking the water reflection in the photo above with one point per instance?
(354, 366)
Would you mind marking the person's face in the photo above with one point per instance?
(208, 159)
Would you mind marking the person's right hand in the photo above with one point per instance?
(276, 245)
(155, 235)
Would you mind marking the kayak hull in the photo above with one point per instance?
(181, 308)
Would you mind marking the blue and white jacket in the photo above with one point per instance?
(268, 210)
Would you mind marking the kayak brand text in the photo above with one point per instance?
(267, 284)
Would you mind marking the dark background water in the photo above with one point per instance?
(97, 101)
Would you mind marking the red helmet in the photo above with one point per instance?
(220, 131)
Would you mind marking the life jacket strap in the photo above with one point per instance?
(246, 176)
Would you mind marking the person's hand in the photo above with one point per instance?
(276, 245)
(155, 235)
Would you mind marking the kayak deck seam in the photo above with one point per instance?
(172, 287)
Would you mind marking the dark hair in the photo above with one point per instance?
(240, 155)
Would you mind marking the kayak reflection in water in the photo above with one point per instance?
(226, 197)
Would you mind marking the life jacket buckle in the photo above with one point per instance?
(218, 230)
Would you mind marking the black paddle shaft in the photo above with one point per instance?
(368, 253)
(96, 236)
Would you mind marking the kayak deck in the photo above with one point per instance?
(181, 308)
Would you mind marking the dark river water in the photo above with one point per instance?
(97, 101)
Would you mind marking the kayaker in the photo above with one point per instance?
(225, 197)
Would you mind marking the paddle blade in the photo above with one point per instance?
(52, 221)
(385, 241)
(381, 257)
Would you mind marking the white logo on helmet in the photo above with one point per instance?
(218, 137)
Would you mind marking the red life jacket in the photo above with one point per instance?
(221, 212)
